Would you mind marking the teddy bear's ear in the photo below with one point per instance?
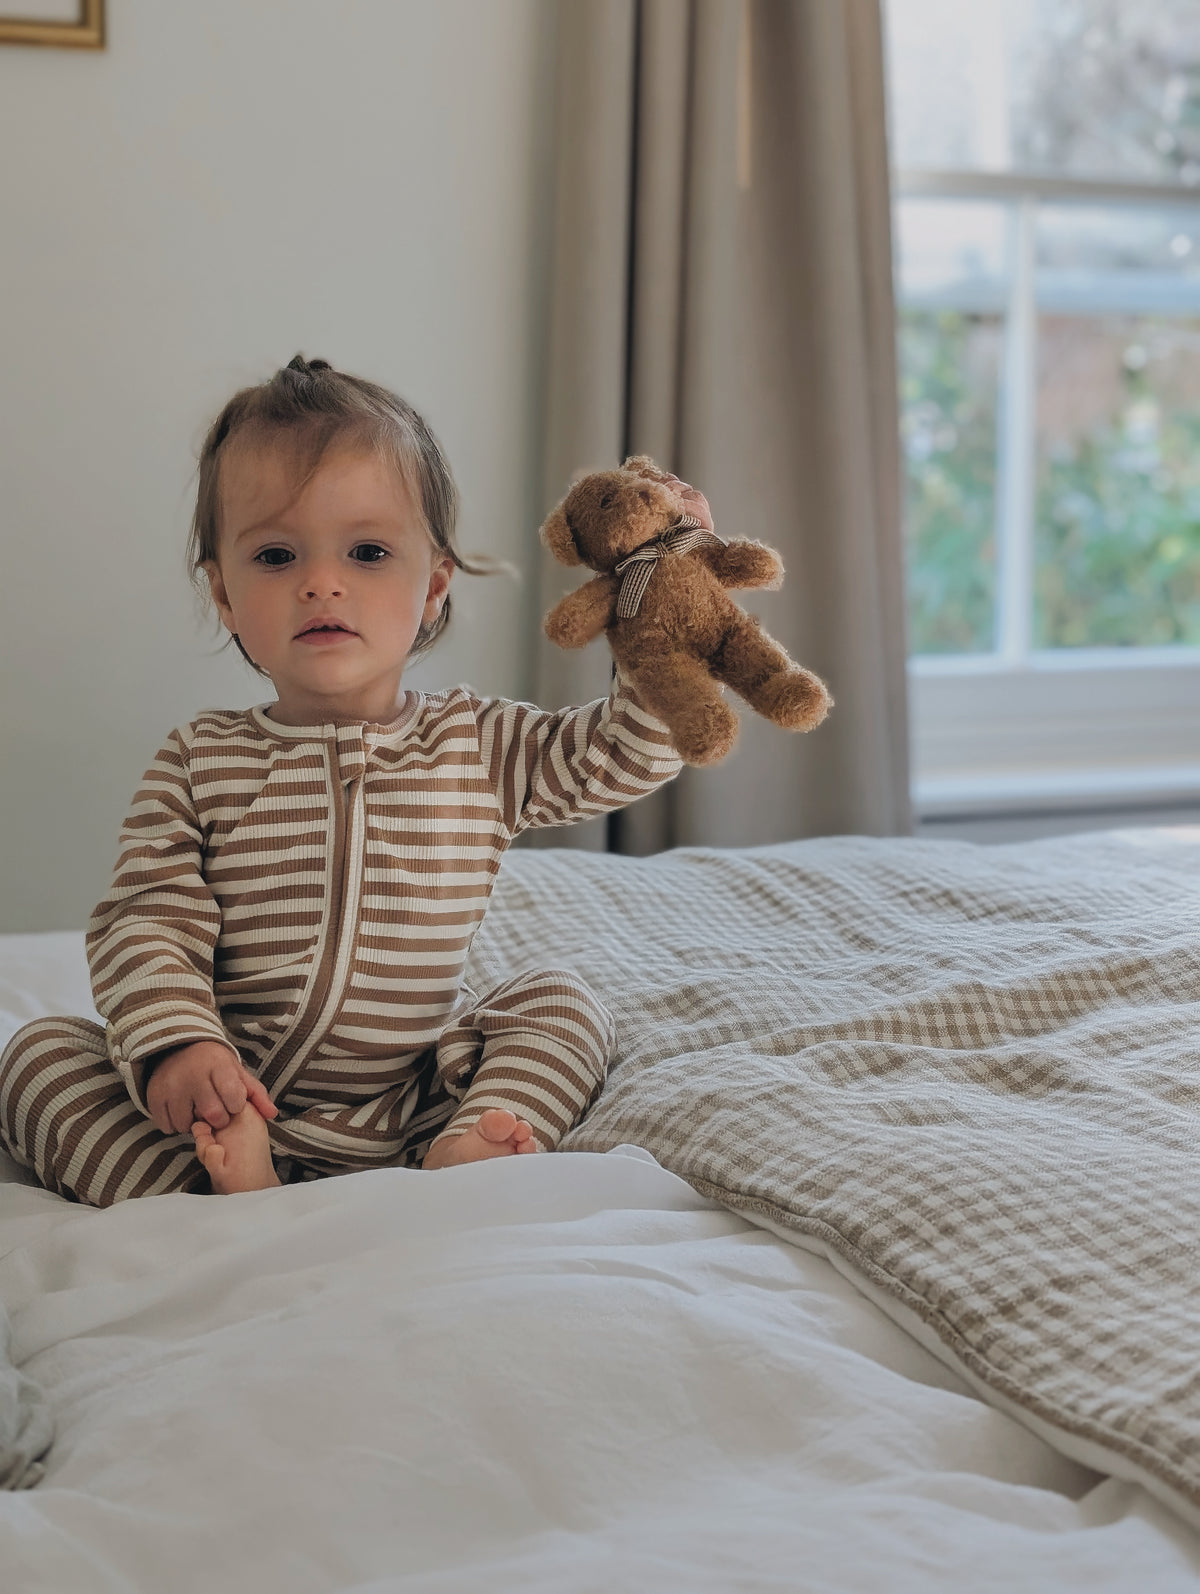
(556, 534)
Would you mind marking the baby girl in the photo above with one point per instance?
(279, 960)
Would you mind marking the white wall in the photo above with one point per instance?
(231, 181)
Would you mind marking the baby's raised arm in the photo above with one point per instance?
(553, 768)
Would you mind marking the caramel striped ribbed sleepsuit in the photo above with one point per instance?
(307, 895)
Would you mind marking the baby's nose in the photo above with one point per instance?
(320, 571)
(321, 583)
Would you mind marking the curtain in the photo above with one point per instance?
(722, 300)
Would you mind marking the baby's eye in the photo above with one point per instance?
(365, 553)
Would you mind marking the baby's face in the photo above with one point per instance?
(350, 550)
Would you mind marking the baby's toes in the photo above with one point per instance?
(523, 1138)
(497, 1123)
(211, 1154)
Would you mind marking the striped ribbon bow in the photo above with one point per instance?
(636, 568)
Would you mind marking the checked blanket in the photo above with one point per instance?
(971, 1075)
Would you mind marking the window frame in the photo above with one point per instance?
(1019, 727)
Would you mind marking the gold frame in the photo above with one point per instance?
(86, 33)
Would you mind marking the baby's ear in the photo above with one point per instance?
(216, 587)
(556, 534)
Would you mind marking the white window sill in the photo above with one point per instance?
(1057, 791)
(1101, 729)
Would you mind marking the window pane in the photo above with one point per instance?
(1118, 487)
(948, 103)
(1134, 258)
(1091, 88)
(951, 254)
(949, 365)
(1108, 88)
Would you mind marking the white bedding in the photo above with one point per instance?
(558, 1373)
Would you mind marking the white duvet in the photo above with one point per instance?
(558, 1373)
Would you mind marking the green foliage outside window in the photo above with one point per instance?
(948, 422)
(1117, 537)
(1118, 507)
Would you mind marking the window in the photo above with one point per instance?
(1046, 159)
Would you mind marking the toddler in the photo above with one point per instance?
(279, 960)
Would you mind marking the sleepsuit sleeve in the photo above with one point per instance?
(553, 768)
(150, 942)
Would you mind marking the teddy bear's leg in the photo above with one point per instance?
(680, 691)
(759, 670)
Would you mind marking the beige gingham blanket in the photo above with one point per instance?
(971, 1074)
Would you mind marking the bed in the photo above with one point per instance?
(874, 1267)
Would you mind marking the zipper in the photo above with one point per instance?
(326, 994)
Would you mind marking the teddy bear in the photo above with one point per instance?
(660, 596)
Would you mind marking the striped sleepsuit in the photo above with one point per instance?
(307, 896)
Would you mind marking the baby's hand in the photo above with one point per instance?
(202, 1081)
(693, 499)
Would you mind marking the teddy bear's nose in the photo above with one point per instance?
(644, 495)
(607, 500)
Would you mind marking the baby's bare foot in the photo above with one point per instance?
(499, 1133)
(237, 1157)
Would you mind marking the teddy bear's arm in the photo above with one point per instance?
(743, 564)
(584, 613)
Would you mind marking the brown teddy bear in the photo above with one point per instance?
(660, 597)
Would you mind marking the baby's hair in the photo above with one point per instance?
(312, 408)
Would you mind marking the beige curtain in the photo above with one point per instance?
(722, 300)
